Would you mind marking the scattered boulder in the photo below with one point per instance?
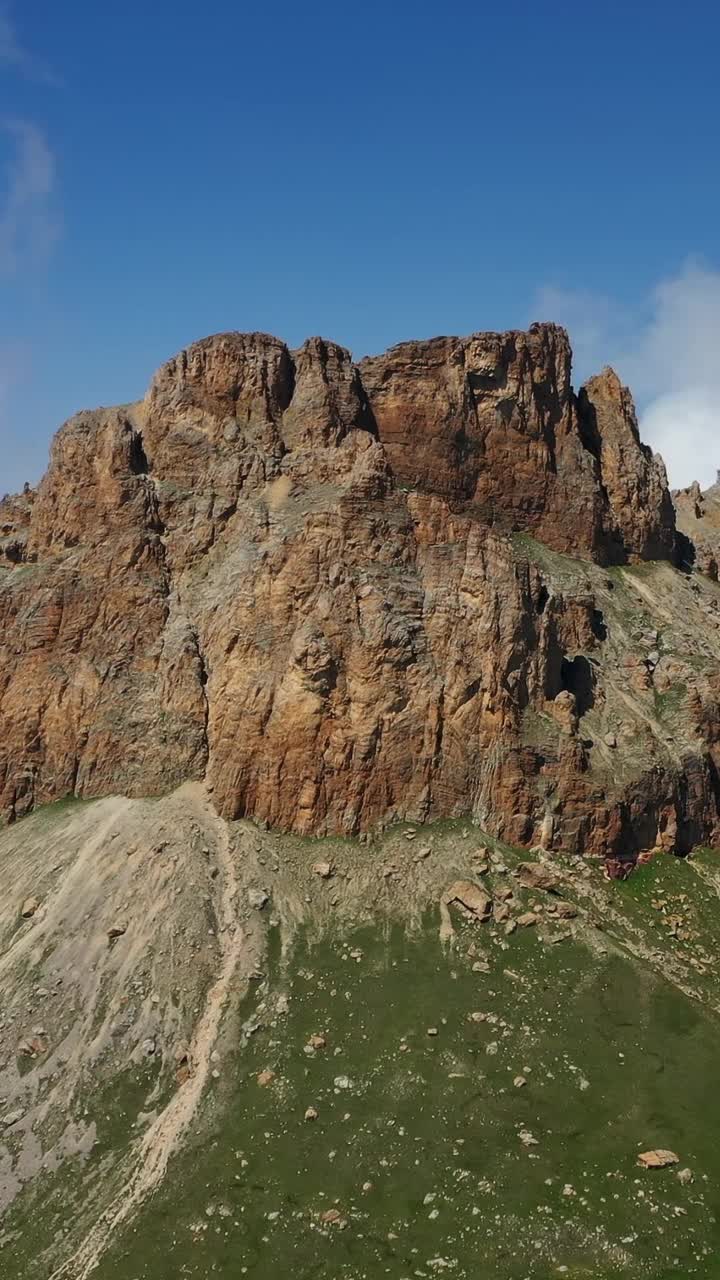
(258, 898)
(657, 1159)
(566, 910)
(684, 1176)
(470, 896)
(29, 907)
(537, 875)
(323, 869)
(618, 868)
(116, 930)
(311, 1114)
(33, 1047)
(527, 920)
(314, 1043)
(333, 1218)
(265, 1078)
(12, 1117)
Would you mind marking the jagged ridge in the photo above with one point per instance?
(307, 579)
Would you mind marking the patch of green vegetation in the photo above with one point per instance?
(670, 702)
(539, 730)
(425, 1147)
(57, 809)
(49, 1211)
(551, 562)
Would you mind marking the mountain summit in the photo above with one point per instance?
(434, 582)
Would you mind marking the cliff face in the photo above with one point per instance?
(350, 593)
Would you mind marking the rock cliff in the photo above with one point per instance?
(434, 582)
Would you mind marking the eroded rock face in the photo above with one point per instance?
(324, 586)
(638, 518)
(698, 517)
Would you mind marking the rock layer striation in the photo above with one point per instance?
(413, 587)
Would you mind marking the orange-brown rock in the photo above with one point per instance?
(347, 594)
(698, 516)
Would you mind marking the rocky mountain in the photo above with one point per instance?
(436, 582)
(328, 646)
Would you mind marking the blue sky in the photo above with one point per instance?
(368, 172)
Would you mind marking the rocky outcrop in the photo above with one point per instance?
(347, 594)
(15, 515)
(638, 516)
(492, 420)
(698, 518)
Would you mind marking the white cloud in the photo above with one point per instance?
(28, 228)
(668, 351)
(15, 58)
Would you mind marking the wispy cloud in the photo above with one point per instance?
(28, 226)
(666, 349)
(14, 57)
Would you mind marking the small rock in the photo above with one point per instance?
(311, 1114)
(29, 907)
(333, 1218)
(527, 1138)
(657, 1159)
(265, 1078)
(314, 1043)
(33, 1048)
(258, 898)
(527, 919)
(12, 1117)
(566, 910)
(536, 875)
(470, 896)
(684, 1176)
(519, 1081)
(610, 740)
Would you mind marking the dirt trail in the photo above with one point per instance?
(162, 1138)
